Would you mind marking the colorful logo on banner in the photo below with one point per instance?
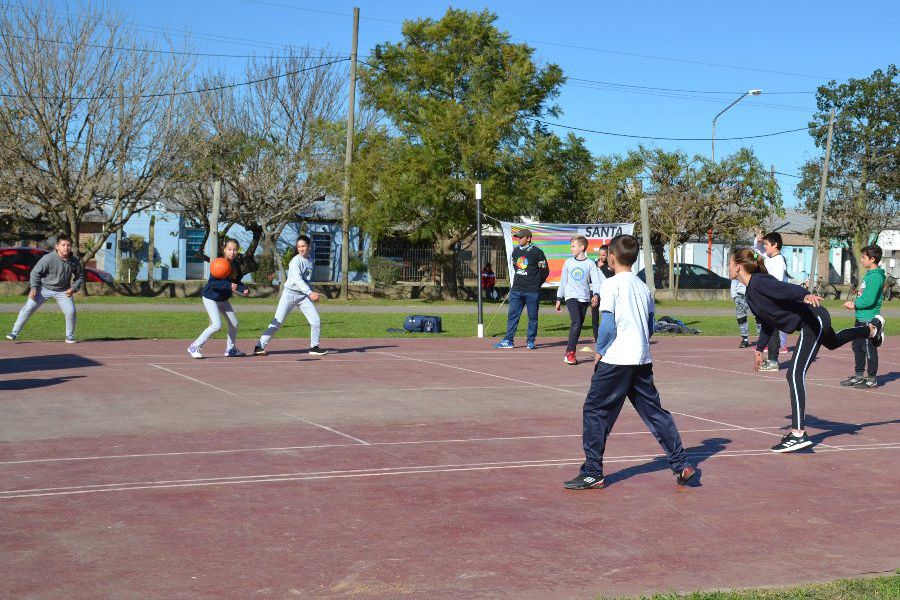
(554, 240)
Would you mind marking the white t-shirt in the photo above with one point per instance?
(628, 298)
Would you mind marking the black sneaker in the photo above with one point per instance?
(852, 380)
(316, 351)
(867, 383)
(584, 482)
(792, 443)
(878, 338)
(745, 343)
(683, 476)
(259, 350)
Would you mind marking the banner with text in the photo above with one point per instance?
(554, 239)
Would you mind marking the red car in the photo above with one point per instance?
(16, 265)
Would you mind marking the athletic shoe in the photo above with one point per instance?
(588, 349)
(570, 359)
(194, 351)
(11, 337)
(867, 383)
(792, 443)
(683, 476)
(529, 345)
(316, 351)
(783, 350)
(504, 345)
(235, 353)
(852, 380)
(745, 343)
(584, 482)
(878, 338)
(770, 366)
(259, 350)
(71, 340)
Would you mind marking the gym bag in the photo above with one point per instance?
(422, 324)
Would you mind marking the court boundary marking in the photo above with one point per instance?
(378, 472)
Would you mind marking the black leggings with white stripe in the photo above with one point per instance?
(816, 331)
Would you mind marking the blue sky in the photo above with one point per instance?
(779, 47)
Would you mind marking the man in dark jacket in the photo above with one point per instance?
(530, 272)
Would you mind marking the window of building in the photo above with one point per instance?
(194, 239)
(321, 249)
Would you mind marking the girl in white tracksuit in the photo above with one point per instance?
(297, 293)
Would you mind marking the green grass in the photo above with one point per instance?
(93, 325)
(870, 588)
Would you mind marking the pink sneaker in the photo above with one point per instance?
(783, 350)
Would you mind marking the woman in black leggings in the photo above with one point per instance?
(787, 307)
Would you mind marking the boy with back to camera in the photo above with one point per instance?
(624, 369)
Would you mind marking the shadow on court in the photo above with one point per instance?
(28, 384)
(48, 362)
(833, 428)
(696, 455)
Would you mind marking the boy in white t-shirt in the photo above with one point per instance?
(769, 245)
(624, 369)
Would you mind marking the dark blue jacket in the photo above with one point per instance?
(219, 290)
(777, 305)
(530, 267)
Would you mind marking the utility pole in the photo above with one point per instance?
(214, 220)
(824, 183)
(348, 160)
(478, 266)
(648, 253)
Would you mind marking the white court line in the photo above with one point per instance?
(766, 378)
(559, 389)
(321, 446)
(357, 473)
(245, 399)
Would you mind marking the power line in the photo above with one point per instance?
(673, 59)
(319, 11)
(690, 97)
(663, 89)
(185, 92)
(789, 174)
(175, 52)
(668, 139)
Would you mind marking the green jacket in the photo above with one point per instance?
(868, 303)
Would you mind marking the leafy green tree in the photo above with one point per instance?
(459, 96)
(864, 168)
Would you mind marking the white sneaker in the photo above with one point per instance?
(11, 337)
(587, 349)
(71, 340)
(194, 351)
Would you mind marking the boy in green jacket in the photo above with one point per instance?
(867, 305)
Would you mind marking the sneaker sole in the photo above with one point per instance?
(794, 448)
(879, 340)
(319, 353)
(594, 486)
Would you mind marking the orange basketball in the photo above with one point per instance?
(220, 268)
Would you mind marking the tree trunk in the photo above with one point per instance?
(445, 249)
(671, 263)
(151, 254)
(119, 234)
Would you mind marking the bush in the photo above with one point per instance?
(266, 271)
(384, 271)
(173, 259)
(130, 268)
(357, 264)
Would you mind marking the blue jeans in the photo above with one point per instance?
(610, 386)
(517, 301)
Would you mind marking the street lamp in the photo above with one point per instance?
(741, 97)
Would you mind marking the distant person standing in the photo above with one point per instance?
(56, 275)
(489, 282)
(607, 272)
(769, 245)
(531, 271)
(867, 305)
(741, 310)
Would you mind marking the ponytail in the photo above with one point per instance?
(748, 259)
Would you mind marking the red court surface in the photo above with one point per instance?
(425, 468)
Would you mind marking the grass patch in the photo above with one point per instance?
(93, 325)
(272, 300)
(870, 588)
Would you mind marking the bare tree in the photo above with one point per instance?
(279, 162)
(90, 120)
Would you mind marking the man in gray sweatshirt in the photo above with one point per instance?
(56, 275)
